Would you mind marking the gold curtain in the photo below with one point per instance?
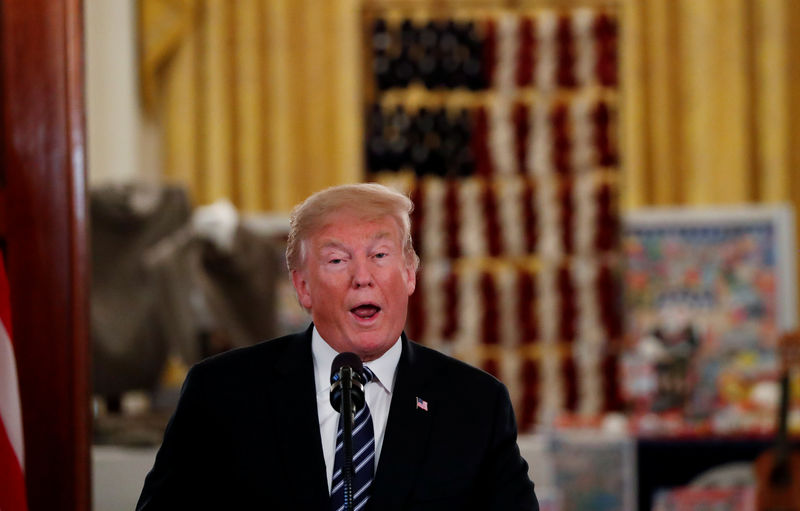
(258, 101)
(711, 109)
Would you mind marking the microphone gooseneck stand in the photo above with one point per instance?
(347, 410)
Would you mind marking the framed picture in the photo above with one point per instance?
(576, 470)
(707, 294)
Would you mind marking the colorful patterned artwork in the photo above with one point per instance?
(707, 293)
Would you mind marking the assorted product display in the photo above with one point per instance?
(501, 124)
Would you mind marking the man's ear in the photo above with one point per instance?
(301, 286)
(411, 279)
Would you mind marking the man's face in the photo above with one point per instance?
(356, 282)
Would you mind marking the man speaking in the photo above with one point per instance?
(255, 429)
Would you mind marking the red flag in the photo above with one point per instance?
(12, 456)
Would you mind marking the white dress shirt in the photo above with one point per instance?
(378, 395)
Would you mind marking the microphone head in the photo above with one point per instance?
(353, 362)
(346, 359)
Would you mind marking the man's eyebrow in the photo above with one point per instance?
(332, 244)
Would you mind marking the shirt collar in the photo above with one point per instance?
(384, 367)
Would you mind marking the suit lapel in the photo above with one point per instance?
(407, 432)
(301, 451)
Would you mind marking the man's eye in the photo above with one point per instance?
(381, 255)
(335, 261)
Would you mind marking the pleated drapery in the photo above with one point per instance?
(711, 102)
(258, 100)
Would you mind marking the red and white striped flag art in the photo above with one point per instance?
(12, 457)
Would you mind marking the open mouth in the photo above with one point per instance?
(365, 311)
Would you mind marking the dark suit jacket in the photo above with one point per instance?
(246, 435)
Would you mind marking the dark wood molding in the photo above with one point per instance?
(45, 216)
(3, 221)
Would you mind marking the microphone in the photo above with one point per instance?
(347, 397)
(347, 366)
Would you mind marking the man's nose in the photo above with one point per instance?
(362, 277)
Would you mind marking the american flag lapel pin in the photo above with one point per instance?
(421, 403)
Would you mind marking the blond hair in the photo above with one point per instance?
(367, 200)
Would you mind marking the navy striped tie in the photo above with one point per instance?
(363, 458)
